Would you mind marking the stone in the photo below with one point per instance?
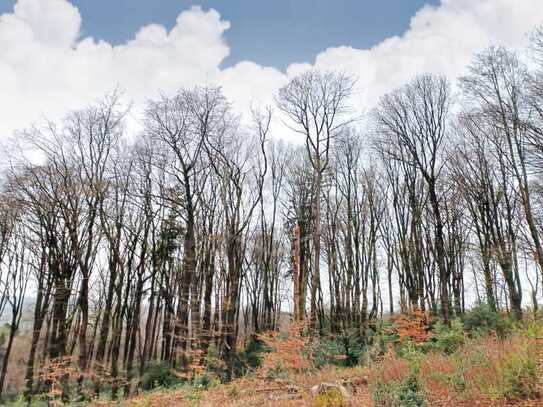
(325, 387)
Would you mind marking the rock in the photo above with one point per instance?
(323, 388)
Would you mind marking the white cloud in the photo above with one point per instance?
(440, 39)
(47, 68)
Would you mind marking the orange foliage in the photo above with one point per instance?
(195, 367)
(58, 372)
(288, 353)
(390, 368)
(412, 326)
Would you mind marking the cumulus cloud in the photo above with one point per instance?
(47, 68)
(440, 39)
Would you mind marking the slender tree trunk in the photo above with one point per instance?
(315, 277)
(14, 326)
(440, 252)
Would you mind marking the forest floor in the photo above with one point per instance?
(257, 392)
(446, 368)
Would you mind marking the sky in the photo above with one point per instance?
(60, 55)
(274, 33)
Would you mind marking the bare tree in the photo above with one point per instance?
(316, 103)
(496, 84)
(16, 270)
(412, 125)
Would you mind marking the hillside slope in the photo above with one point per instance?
(448, 368)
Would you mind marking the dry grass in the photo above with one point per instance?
(257, 392)
(484, 372)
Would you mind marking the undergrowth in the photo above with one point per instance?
(483, 358)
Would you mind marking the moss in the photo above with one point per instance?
(332, 397)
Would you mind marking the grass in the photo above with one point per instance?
(411, 363)
(484, 371)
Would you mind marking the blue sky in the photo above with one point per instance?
(271, 33)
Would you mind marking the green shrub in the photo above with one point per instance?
(158, 375)
(205, 381)
(457, 381)
(251, 357)
(352, 348)
(386, 394)
(278, 372)
(407, 393)
(343, 350)
(447, 339)
(520, 376)
(378, 344)
(233, 392)
(482, 320)
(411, 394)
(377, 349)
(412, 352)
(214, 365)
(533, 330)
(326, 351)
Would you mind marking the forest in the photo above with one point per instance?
(184, 250)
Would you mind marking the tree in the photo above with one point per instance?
(411, 123)
(496, 84)
(16, 269)
(316, 103)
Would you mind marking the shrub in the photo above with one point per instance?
(277, 372)
(412, 327)
(399, 386)
(447, 339)
(482, 320)
(386, 394)
(159, 375)
(411, 352)
(407, 393)
(411, 394)
(519, 375)
(21, 401)
(326, 351)
(352, 348)
(457, 381)
(233, 392)
(533, 330)
(214, 365)
(289, 354)
(382, 342)
(251, 356)
(205, 381)
(344, 350)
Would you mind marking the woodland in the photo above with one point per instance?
(205, 250)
